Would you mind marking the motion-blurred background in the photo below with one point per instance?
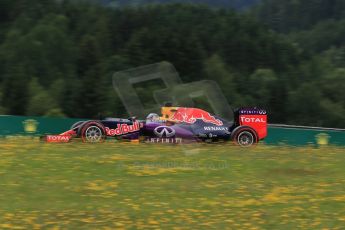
(57, 57)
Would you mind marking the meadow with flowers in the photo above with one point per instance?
(136, 186)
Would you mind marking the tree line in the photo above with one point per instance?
(57, 58)
(237, 4)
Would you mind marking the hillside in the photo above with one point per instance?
(289, 15)
(53, 54)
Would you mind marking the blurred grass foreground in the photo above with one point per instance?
(114, 186)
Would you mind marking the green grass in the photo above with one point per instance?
(134, 186)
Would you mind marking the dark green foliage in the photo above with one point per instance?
(238, 4)
(57, 57)
(287, 15)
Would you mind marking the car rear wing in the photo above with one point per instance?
(253, 117)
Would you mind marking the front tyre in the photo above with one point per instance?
(93, 132)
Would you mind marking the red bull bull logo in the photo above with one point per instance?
(191, 115)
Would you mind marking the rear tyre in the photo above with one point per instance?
(245, 137)
(93, 132)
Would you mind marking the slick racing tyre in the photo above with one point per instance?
(245, 137)
(92, 132)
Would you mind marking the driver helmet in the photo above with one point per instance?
(153, 117)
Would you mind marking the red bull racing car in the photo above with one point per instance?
(176, 125)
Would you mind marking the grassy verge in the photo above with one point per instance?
(82, 186)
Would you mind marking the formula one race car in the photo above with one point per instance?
(176, 125)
